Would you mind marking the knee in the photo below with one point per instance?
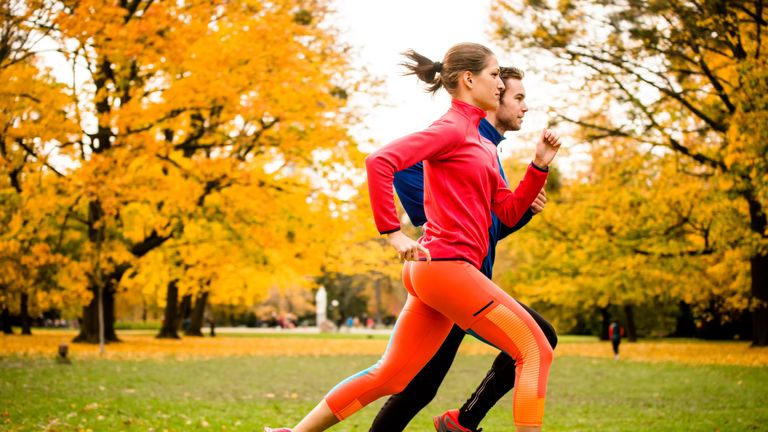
(546, 354)
(393, 386)
(541, 349)
(418, 394)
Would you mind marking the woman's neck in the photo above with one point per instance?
(466, 98)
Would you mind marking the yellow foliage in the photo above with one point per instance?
(673, 204)
(137, 346)
(208, 149)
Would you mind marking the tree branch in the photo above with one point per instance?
(63, 226)
(170, 115)
(22, 95)
(622, 65)
(149, 243)
(33, 154)
(759, 25)
(699, 252)
(713, 79)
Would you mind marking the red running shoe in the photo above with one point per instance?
(449, 422)
(269, 429)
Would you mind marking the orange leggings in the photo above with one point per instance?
(439, 294)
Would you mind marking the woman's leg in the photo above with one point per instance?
(475, 303)
(400, 408)
(417, 335)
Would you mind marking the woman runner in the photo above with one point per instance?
(462, 186)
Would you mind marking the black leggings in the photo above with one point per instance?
(401, 408)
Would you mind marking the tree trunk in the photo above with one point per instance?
(185, 310)
(605, 314)
(89, 330)
(168, 330)
(377, 292)
(6, 321)
(26, 325)
(196, 321)
(685, 326)
(759, 269)
(629, 311)
(89, 327)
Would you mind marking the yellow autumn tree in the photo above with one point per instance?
(36, 270)
(688, 77)
(624, 236)
(228, 116)
(360, 269)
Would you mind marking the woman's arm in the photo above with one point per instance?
(437, 140)
(511, 206)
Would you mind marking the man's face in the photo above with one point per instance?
(512, 107)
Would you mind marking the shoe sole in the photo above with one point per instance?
(439, 426)
(442, 426)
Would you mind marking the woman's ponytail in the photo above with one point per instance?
(459, 58)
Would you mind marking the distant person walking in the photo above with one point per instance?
(615, 332)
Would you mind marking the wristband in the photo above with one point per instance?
(545, 169)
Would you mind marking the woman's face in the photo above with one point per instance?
(487, 86)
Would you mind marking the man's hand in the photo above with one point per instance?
(407, 248)
(539, 202)
(546, 148)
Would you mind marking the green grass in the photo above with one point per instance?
(244, 394)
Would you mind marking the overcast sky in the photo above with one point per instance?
(380, 31)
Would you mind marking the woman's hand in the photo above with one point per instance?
(407, 248)
(546, 148)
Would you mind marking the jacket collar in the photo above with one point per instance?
(471, 112)
(488, 131)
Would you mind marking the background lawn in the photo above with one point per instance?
(244, 393)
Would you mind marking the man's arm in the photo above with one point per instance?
(504, 230)
(409, 185)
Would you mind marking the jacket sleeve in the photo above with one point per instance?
(505, 230)
(511, 206)
(436, 141)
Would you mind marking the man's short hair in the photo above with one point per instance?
(510, 72)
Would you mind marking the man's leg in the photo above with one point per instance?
(499, 380)
(400, 409)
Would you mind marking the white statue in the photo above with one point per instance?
(321, 305)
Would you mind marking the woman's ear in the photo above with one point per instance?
(467, 78)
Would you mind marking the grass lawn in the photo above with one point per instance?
(244, 393)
